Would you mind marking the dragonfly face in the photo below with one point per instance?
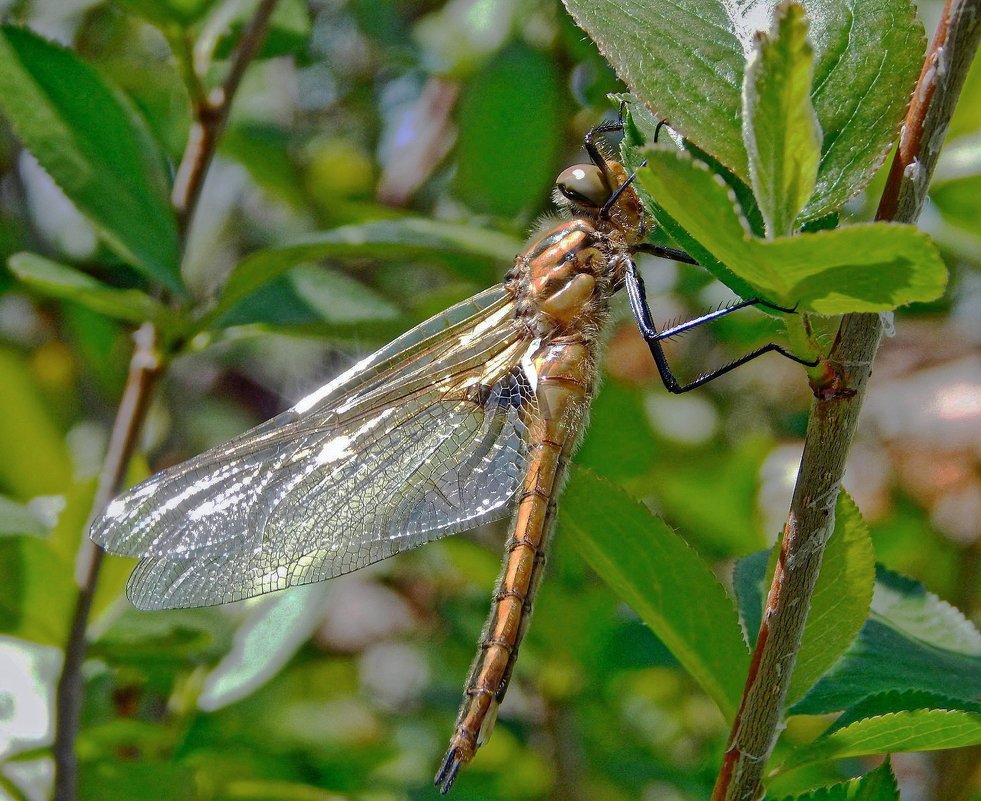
(468, 417)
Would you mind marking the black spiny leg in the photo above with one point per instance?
(590, 146)
(653, 337)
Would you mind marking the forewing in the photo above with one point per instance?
(442, 467)
(423, 438)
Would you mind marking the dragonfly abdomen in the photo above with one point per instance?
(563, 391)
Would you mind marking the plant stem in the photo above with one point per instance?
(210, 116)
(146, 367)
(834, 419)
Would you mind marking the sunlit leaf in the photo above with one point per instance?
(919, 730)
(895, 701)
(66, 283)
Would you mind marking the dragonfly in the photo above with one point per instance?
(467, 418)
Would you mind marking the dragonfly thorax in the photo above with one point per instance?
(564, 279)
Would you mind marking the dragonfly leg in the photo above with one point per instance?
(665, 252)
(653, 337)
(592, 149)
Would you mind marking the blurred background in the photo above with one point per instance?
(463, 112)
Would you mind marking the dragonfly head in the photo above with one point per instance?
(587, 189)
(584, 185)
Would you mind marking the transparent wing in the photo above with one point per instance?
(424, 438)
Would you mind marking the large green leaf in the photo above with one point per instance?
(911, 641)
(870, 267)
(655, 571)
(919, 730)
(877, 785)
(780, 128)
(841, 598)
(686, 59)
(66, 283)
(94, 147)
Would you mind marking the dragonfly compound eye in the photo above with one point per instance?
(584, 185)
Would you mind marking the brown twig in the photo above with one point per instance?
(833, 421)
(146, 366)
(210, 116)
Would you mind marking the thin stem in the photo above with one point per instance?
(833, 421)
(144, 369)
(211, 114)
(146, 366)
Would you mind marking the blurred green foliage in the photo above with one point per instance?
(383, 160)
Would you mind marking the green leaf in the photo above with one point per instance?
(39, 591)
(749, 583)
(310, 295)
(780, 128)
(66, 283)
(685, 59)
(919, 730)
(911, 641)
(165, 13)
(861, 268)
(663, 579)
(393, 240)
(841, 598)
(17, 519)
(877, 785)
(907, 606)
(94, 147)
(894, 701)
(288, 33)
